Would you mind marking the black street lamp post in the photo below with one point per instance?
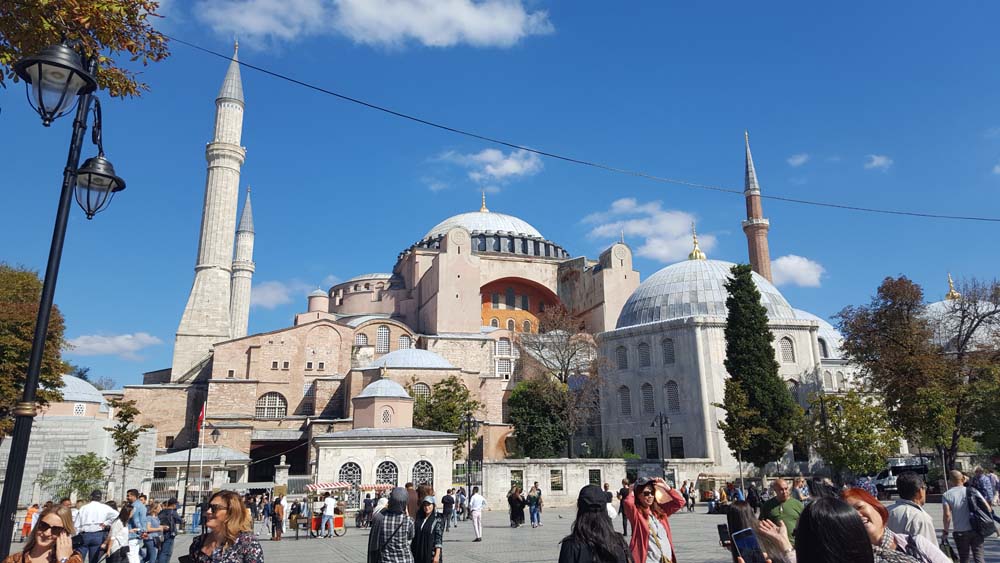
(56, 77)
(662, 420)
(469, 426)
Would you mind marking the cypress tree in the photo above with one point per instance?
(750, 362)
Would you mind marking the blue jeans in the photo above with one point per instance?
(91, 548)
(327, 519)
(166, 550)
(151, 551)
(536, 515)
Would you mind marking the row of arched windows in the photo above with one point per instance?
(511, 324)
(386, 473)
(648, 400)
(645, 356)
(831, 381)
(382, 335)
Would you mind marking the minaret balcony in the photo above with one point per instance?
(756, 223)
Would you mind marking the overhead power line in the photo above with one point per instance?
(579, 161)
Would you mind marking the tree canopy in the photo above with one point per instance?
(443, 409)
(125, 433)
(120, 32)
(537, 407)
(851, 432)
(81, 474)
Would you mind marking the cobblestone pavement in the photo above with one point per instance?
(694, 534)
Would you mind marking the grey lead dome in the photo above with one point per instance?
(483, 222)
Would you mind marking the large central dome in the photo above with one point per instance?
(484, 222)
(693, 288)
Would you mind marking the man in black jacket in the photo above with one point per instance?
(173, 522)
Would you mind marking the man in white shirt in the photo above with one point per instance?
(476, 505)
(91, 521)
(956, 511)
(907, 516)
(329, 504)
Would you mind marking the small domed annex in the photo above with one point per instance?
(384, 388)
(412, 358)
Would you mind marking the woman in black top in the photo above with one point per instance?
(429, 537)
(593, 538)
(516, 501)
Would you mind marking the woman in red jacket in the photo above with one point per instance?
(651, 539)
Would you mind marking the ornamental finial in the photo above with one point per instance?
(696, 253)
(483, 208)
(952, 295)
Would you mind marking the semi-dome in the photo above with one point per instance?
(692, 288)
(412, 358)
(826, 332)
(384, 388)
(484, 221)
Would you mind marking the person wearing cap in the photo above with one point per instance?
(651, 539)
(429, 537)
(593, 538)
(392, 531)
(93, 521)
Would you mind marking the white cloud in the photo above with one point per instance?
(432, 23)
(664, 234)
(273, 294)
(996, 169)
(797, 160)
(492, 165)
(796, 270)
(434, 185)
(331, 280)
(878, 162)
(122, 345)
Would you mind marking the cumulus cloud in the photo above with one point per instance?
(796, 270)
(797, 160)
(432, 23)
(273, 294)
(434, 185)
(996, 169)
(878, 162)
(664, 234)
(494, 166)
(124, 346)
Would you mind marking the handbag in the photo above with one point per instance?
(119, 556)
(945, 546)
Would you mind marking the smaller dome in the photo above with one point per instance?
(318, 293)
(412, 358)
(384, 388)
(76, 390)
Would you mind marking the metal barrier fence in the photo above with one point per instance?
(297, 484)
(475, 475)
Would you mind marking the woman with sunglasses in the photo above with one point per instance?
(651, 539)
(229, 538)
(50, 541)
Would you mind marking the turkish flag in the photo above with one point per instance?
(201, 418)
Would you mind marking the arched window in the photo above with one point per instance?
(526, 326)
(382, 340)
(495, 322)
(673, 396)
(386, 416)
(360, 339)
(625, 401)
(421, 391)
(793, 388)
(621, 354)
(668, 351)
(841, 383)
(509, 298)
(644, 355)
(824, 352)
(510, 325)
(503, 347)
(423, 473)
(387, 474)
(828, 380)
(350, 472)
(405, 342)
(271, 405)
(648, 404)
(787, 350)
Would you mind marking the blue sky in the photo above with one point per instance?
(879, 105)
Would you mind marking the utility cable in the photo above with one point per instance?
(579, 161)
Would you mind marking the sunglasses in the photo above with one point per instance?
(216, 507)
(648, 493)
(44, 526)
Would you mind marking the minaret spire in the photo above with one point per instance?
(483, 208)
(756, 225)
(243, 268)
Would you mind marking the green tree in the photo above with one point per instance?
(753, 372)
(81, 474)
(125, 433)
(739, 426)
(537, 407)
(851, 432)
(20, 291)
(119, 31)
(443, 409)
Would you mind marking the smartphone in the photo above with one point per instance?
(746, 544)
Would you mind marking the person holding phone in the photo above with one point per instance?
(50, 541)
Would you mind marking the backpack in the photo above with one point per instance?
(980, 518)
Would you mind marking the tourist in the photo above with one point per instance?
(448, 509)
(541, 503)
(29, 518)
(117, 543)
(753, 498)
(908, 516)
(782, 507)
(171, 522)
(593, 538)
(136, 524)
(534, 500)
(267, 513)
(460, 501)
(50, 540)
(230, 538)
(830, 531)
(515, 500)
(820, 487)
(476, 505)
(800, 491)
(368, 510)
(413, 500)
(651, 539)
(151, 540)
(622, 493)
(982, 483)
(996, 486)
(92, 522)
(608, 494)
(889, 546)
(957, 518)
(740, 516)
(329, 505)
(428, 538)
(277, 517)
(285, 506)
(392, 531)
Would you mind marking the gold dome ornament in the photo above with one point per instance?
(696, 253)
(952, 295)
(483, 208)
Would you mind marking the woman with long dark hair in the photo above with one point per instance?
(429, 537)
(593, 538)
(516, 502)
(830, 531)
(117, 542)
(651, 538)
(229, 538)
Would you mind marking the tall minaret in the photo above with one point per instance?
(239, 306)
(206, 318)
(755, 226)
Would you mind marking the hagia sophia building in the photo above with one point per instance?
(454, 303)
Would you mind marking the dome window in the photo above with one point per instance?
(271, 405)
(495, 322)
(382, 340)
(527, 326)
(79, 409)
(405, 342)
(421, 391)
(510, 325)
(360, 340)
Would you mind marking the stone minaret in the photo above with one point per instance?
(239, 306)
(755, 226)
(206, 318)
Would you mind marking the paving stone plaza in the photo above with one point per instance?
(695, 535)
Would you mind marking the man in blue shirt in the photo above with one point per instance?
(136, 525)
